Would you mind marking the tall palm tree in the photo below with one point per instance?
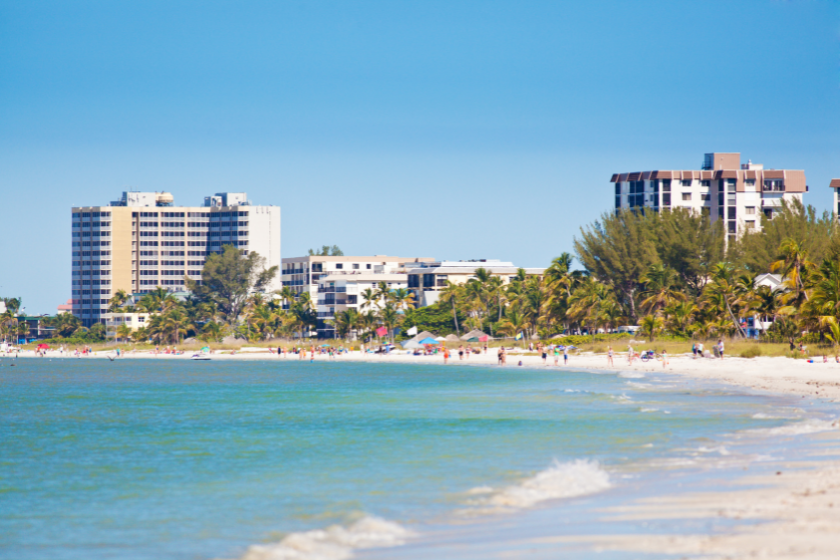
(390, 318)
(794, 266)
(403, 298)
(451, 294)
(369, 299)
(723, 289)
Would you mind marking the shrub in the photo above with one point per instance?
(751, 352)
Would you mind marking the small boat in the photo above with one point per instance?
(201, 357)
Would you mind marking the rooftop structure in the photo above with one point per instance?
(723, 189)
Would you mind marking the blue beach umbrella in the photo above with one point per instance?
(429, 340)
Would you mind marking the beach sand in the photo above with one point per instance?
(794, 514)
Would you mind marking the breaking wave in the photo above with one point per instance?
(333, 543)
(561, 480)
(807, 427)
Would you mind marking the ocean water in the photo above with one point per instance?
(141, 459)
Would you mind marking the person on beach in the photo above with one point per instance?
(445, 356)
(694, 351)
(556, 356)
(664, 358)
(461, 352)
(609, 356)
(629, 354)
(565, 355)
(485, 348)
(720, 348)
(544, 356)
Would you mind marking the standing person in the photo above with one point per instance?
(461, 352)
(694, 351)
(565, 355)
(700, 349)
(664, 358)
(485, 348)
(556, 356)
(445, 356)
(609, 356)
(544, 356)
(499, 355)
(720, 348)
(630, 354)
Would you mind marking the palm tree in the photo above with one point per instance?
(369, 299)
(346, 322)
(451, 294)
(660, 289)
(117, 301)
(211, 331)
(679, 317)
(123, 332)
(390, 318)
(513, 323)
(794, 265)
(723, 289)
(650, 326)
(403, 298)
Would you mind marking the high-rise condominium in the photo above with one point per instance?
(143, 241)
(724, 189)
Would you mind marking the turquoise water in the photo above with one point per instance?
(178, 459)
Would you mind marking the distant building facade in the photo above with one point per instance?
(430, 278)
(835, 186)
(724, 189)
(335, 283)
(143, 241)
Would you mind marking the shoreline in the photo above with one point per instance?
(792, 515)
(774, 374)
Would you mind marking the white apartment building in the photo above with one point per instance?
(430, 278)
(304, 274)
(724, 189)
(835, 186)
(133, 321)
(340, 292)
(143, 241)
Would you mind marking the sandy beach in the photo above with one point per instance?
(796, 512)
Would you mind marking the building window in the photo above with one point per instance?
(774, 185)
(686, 182)
(705, 197)
(749, 224)
(706, 183)
(339, 266)
(666, 185)
(666, 199)
(749, 210)
(731, 212)
(368, 266)
(686, 196)
(618, 188)
(618, 202)
(355, 266)
(750, 182)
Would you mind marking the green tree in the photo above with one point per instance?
(617, 250)
(326, 251)
(228, 278)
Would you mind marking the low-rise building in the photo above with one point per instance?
(304, 275)
(340, 292)
(430, 278)
(133, 321)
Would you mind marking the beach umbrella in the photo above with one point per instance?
(43, 347)
(428, 341)
(205, 349)
(411, 345)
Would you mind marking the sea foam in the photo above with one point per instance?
(561, 480)
(333, 543)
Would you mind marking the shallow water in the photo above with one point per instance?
(175, 459)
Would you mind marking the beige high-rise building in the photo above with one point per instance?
(143, 241)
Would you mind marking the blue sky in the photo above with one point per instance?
(444, 129)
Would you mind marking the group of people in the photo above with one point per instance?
(301, 351)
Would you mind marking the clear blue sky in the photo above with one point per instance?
(446, 129)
